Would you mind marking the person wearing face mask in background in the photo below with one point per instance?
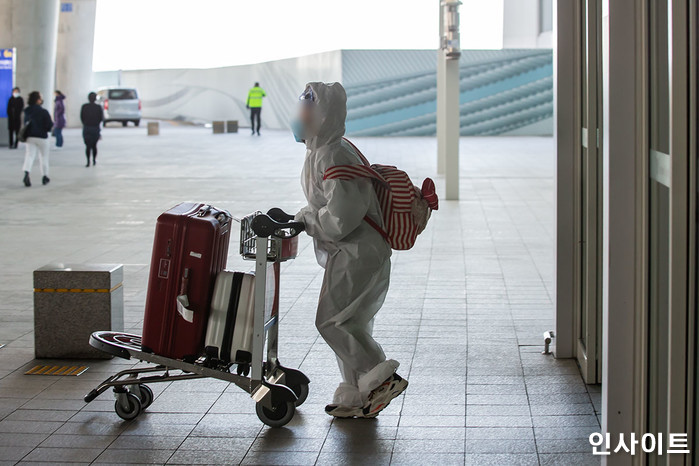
(15, 105)
(355, 256)
(59, 118)
(39, 124)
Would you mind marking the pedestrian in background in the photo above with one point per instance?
(91, 116)
(59, 118)
(254, 104)
(15, 105)
(38, 122)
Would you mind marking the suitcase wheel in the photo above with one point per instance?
(127, 406)
(145, 394)
(280, 416)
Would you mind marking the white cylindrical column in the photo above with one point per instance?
(31, 26)
(76, 32)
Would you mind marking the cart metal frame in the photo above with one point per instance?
(277, 390)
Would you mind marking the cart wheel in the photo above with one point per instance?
(146, 396)
(279, 416)
(243, 369)
(301, 392)
(133, 408)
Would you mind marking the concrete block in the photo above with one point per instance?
(153, 128)
(70, 302)
(219, 127)
(232, 126)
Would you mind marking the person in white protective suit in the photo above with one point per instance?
(355, 256)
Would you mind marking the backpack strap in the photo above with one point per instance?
(376, 227)
(351, 172)
(358, 152)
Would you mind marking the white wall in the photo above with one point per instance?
(521, 26)
(220, 93)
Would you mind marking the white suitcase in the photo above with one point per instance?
(230, 327)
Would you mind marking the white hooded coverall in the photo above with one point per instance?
(355, 256)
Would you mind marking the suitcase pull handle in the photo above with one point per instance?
(183, 301)
(223, 217)
(205, 209)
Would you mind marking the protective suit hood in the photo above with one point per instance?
(355, 256)
(330, 113)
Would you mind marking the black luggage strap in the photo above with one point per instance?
(231, 315)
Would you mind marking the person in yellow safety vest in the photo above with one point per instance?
(254, 103)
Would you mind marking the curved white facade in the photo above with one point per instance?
(390, 92)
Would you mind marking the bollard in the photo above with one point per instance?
(219, 127)
(153, 128)
(548, 338)
(232, 126)
(70, 302)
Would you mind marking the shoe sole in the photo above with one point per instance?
(399, 388)
(344, 414)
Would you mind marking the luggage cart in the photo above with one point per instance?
(276, 390)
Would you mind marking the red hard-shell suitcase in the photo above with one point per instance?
(190, 248)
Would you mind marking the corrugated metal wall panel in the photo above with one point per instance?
(394, 92)
(390, 92)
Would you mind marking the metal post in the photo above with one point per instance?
(258, 341)
(448, 124)
(441, 126)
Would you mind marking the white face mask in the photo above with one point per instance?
(15, 94)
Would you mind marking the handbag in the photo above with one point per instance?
(23, 133)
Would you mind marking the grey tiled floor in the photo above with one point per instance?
(464, 315)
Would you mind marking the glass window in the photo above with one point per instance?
(122, 94)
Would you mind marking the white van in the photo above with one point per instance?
(120, 104)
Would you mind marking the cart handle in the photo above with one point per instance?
(279, 215)
(264, 226)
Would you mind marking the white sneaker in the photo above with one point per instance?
(344, 412)
(381, 396)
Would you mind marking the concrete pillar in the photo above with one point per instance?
(31, 27)
(76, 33)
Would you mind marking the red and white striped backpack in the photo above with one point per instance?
(405, 208)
